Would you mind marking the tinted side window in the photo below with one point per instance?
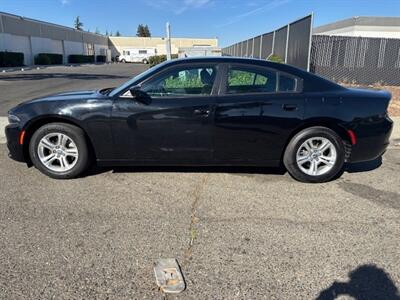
(287, 83)
(245, 81)
(182, 82)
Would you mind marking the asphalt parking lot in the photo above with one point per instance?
(18, 86)
(238, 233)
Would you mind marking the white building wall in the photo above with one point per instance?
(17, 43)
(73, 48)
(100, 50)
(20, 34)
(44, 45)
(366, 31)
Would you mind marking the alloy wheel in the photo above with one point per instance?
(316, 156)
(58, 152)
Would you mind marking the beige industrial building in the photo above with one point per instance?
(118, 44)
(368, 27)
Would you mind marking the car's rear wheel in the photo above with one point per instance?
(315, 155)
(59, 150)
(145, 61)
(123, 61)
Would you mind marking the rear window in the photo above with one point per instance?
(288, 83)
(142, 51)
(242, 81)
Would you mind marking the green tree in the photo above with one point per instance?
(147, 31)
(106, 32)
(117, 33)
(97, 31)
(143, 31)
(78, 25)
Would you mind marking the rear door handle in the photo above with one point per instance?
(289, 107)
(202, 112)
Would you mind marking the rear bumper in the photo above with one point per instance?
(14, 148)
(373, 138)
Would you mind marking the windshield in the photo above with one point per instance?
(136, 79)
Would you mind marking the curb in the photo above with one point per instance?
(42, 67)
(396, 129)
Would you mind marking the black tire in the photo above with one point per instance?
(145, 61)
(75, 134)
(123, 61)
(297, 141)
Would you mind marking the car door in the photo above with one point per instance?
(175, 125)
(255, 113)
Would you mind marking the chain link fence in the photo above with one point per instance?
(290, 44)
(356, 60)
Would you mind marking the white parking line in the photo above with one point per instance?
(3, 124)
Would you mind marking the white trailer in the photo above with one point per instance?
(136, 55)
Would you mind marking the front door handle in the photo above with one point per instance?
(289, 107)
(202, 112)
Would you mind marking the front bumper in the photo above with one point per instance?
(373, 138)
(16, 150)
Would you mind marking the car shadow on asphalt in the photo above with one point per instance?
(349, 168)
(96, 170)
(363, 166)
(366, 282)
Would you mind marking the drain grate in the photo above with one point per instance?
(169, 277)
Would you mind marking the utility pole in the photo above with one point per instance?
(168, 41)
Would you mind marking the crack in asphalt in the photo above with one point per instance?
(194, 220)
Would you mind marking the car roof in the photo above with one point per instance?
(225, 59)
(241, 60)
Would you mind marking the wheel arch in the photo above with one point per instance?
(35, 124)
(329, 123)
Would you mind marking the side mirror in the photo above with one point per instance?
(140, 96)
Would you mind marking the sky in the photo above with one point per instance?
(228, 20)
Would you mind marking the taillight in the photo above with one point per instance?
(352, 136)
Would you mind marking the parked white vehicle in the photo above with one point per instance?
(137, 55)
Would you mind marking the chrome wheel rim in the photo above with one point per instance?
(58, 152)
(316, 156)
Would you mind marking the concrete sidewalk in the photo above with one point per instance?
(395, 134)
(396, 129)
(3, 124)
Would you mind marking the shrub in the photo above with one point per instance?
(11, 59)
(276, 58)
(157, 59)
(100, 58)
(48, 59)
(80, 59)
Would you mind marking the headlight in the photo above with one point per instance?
(13, 119)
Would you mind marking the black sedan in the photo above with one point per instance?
(205, 112)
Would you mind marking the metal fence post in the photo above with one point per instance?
(273, 45)
(261, 43)
(310, 45)
(287, 43)
(252, 50)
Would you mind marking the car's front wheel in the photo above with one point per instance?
(315, 155)
(59, 150)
